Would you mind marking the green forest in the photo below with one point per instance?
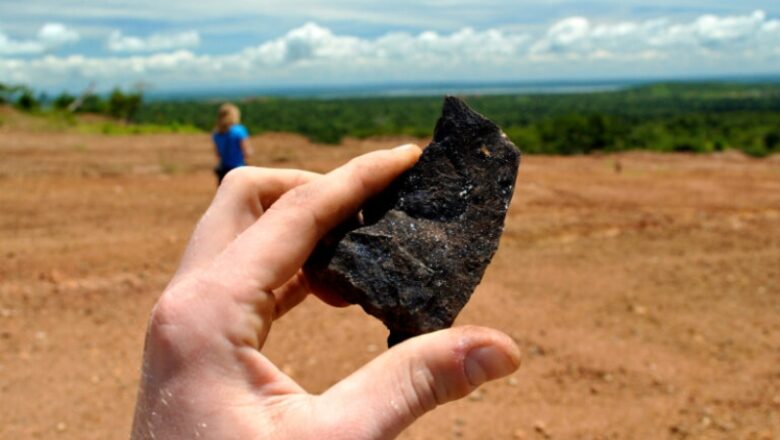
(661, 117)
(668, 117)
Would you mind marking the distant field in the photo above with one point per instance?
(679, 117)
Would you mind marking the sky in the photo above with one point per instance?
(185, 45)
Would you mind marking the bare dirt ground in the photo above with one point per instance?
(646, 302)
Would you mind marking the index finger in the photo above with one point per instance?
(241, 199)
(272, 250)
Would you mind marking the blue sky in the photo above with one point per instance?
(177, 44)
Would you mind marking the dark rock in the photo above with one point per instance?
(425, 241)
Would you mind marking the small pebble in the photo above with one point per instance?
(541, 428)
(725, 426)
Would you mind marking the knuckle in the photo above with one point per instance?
(422, 391)
(242, 183)
(175, 306)
(292, 199)
(432, 383)
(299, 177)
(168, 310)
(362, 171)
(179, 320)
(164, 323)
(240, 178)
(236, 177)
(297, 207)
(314, 220)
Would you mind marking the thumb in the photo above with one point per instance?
(395, 389)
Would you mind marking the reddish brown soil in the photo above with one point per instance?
(646, 302)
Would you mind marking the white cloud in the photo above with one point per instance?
(54, 35)
(311, 49)
(51, 36)
(312, 43)
(712, 32)
(9, 46)
(117, 42)
(564, 35)
(315, 54)
(579, 37)
(307, 43)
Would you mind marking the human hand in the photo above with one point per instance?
(204, 374)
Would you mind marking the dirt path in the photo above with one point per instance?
(646, 302)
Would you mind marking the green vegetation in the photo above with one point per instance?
(22, 96)
(61, 112)
(662, 117)
(117, 128)
(118, 104)
(687, 117)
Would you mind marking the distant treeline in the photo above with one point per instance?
(692, 117)
(118, 104)
(662, 117)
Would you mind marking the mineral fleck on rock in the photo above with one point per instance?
(424, 242)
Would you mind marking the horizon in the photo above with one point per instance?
(419, 88)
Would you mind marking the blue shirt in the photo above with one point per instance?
(229, 146)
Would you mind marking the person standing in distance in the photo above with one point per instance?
(231, 141)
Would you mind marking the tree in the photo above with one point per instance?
(63, 100)
(4, 92)
(11, 93)
(92, 104)
(772, 141)
(124, 105)
(27, 101)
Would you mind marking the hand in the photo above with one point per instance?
(204, 374)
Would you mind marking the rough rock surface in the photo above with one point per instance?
(425, 242)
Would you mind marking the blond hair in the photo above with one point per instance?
(227, 116)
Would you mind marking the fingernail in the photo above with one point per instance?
(487, 363)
